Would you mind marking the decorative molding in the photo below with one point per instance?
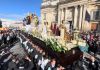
(49, 6)
(67, 1)
(73, 4)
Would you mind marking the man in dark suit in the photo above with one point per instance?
(25, 64)
(0, 38)
(93, 65)
(51, 65)
(12, 65)
(4, 57)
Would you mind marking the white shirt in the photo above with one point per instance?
(36, 56)
(7, 58)
(0, 36)
(8, 38)
(25, 43)
(44, 63)
(2, 53)
(20, 40)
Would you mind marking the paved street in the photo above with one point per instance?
(18, 50)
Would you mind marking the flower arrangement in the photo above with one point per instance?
(55, 45)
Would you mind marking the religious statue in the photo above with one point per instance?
(63, 31)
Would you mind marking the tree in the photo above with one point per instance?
(0, 23)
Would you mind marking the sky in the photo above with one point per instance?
(18, 9)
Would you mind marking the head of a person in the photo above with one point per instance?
(59, 67)
(43, 53)
(40, 50)
(53, 62)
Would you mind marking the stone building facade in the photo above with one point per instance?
(77, 14)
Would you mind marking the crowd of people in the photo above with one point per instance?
(7, 37)
(7, 40)
(36, 58)
(39, 57)
(80, 64)
(93, 41)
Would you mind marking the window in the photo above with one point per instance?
(44, 16)
(95, 15)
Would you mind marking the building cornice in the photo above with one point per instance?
(96, 21)
(67, 1)
(73, 4)
(48, 6)
(95, 2)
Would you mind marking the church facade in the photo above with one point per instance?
(78, 14)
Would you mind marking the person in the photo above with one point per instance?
(12, 65)
(0, 38)
(93, 65)
(39, 58)
(25, 64)
(88, 37)
(8, 39)
(91, 37)
(30, 64)
(34, 54)
(59, 67)
(5, 38)
(44, 61)
(51, 65)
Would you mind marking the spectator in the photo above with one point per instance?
(51, 65)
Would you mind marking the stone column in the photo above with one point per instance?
(75, 17)
(62, 16)
(66, 15)
(59, 16)
(64, 12)
(84, 14)
(80, 17)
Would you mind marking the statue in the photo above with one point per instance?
(63, 31)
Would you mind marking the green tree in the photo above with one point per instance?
(0, 23)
